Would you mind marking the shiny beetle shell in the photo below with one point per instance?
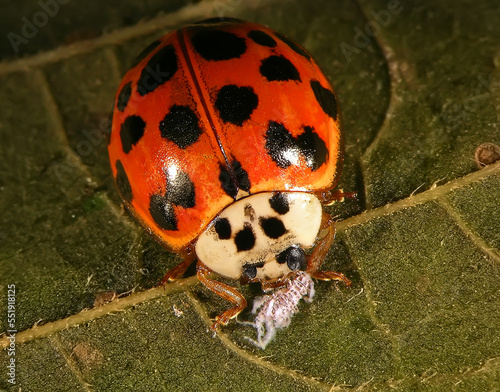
(215, 111)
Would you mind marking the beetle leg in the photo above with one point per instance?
(223, 290)
(318, 255)
(187, 258)
(330, 196)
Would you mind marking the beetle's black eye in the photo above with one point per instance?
(294, 257)
(250, 272)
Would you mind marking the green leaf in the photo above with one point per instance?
(419, 87)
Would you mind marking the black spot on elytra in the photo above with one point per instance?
(279, 203)
(226, 182)
(223, 228)
(162, 212)
(241, 176)
(236, 104)
(232, 185)
(109, 128)
(122, 182)
(245, 238)
(281, 146)
(131, 132)
(146, 51)
(313, 148)
(273, 227)
(294, 46)
(218, 45)
(294, 257)
(262, 38)
(326, 99)
(181, 125)
(180, 190)
(279, 68)
(222, 19)
(123, 97)
(159, 69)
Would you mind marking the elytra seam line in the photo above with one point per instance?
(185, 53)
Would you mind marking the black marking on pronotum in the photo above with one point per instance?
(272, 227)
(223, 228)
(181, 125)
(245, 238)
(249, 212)
(160, 68)
(279, 203)
(131, 132)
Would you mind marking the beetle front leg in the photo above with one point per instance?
(330, 196)
(318, 255)
(223, 290)
(188, 257)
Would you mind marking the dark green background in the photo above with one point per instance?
(419, 87)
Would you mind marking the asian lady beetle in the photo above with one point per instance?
(226, 143)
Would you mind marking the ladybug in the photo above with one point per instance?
(226, 143)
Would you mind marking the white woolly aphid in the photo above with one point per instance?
(277, 309)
